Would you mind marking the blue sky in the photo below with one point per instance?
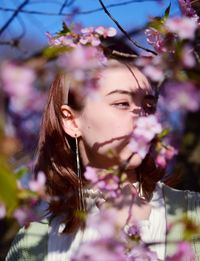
(132, 15)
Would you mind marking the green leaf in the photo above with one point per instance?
(8, 185)
(53, 51)
(167, 11)
(164, 133)
(21, 172)
(65, 30)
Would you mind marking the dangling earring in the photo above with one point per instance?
(78, 169)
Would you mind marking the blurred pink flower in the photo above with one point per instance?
(90, 174)
(2, 211)
(104, 222)
(155, 73)
(182, 96)
(184, 27)
(184, 252)
(81, 59)
(147, 127)
(155, 38)
(64, 40)
(161, 161)
(187, 9)
(108, 182)
(38, 184)
(145, 130)
(187, 56)
(106, 32)
(139, 145)
(17, 80)
(142, 253)
(25, 215)
(165, 154)
(99, 250)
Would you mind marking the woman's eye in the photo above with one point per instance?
(122, 105)
(149, 108)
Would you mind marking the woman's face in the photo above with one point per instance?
(108, 117)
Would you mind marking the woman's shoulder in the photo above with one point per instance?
(30, 242)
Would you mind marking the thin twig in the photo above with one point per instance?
(13, 16)
(95, 10)
(125, 55)
(63, 6)
(123, 31)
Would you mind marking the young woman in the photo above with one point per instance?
(94, 130)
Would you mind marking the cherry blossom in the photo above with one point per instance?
(38, 184)
(17, 80)
(182, 96)
(102, 249)
(147, 127)
(187, 56)
(187, 9)
(106, 32)
(165, 154)
(24, 215)
(90, 174)
(67, 40)
(139, 145)
(142, 253)
(184, 252)
(155, 38)
(184, 27)
(104, 222)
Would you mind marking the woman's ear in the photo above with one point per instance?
(69, 122)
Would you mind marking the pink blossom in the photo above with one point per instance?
(142, 253)
(147, 127)
(89, 36)
(104, 222)
(108, 182)
(24, 215)
(134, 230)
(187, 56)
(184, 252)
(182, 96)
(65, 40)
(2, 211)
(165, 154)
(17, 80)
(106, 32)
(184, 27)
(139, 145)
(187, 9)
(38, 184)
(155, 73)
(145, 130)
(161, 161)
(81, 59)
(92, 39)
(91, 175)
(101, 249)
(155, 38)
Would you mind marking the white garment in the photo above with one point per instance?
(153, 229)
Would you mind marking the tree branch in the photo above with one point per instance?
(123, 31)
(78, 13)
(13, 16)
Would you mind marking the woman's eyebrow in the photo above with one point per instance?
(118, 91)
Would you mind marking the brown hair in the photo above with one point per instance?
(56, 158)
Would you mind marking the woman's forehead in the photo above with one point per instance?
(123, 77)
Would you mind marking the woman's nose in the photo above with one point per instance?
(138, 111)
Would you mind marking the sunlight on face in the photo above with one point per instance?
(107, 120)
